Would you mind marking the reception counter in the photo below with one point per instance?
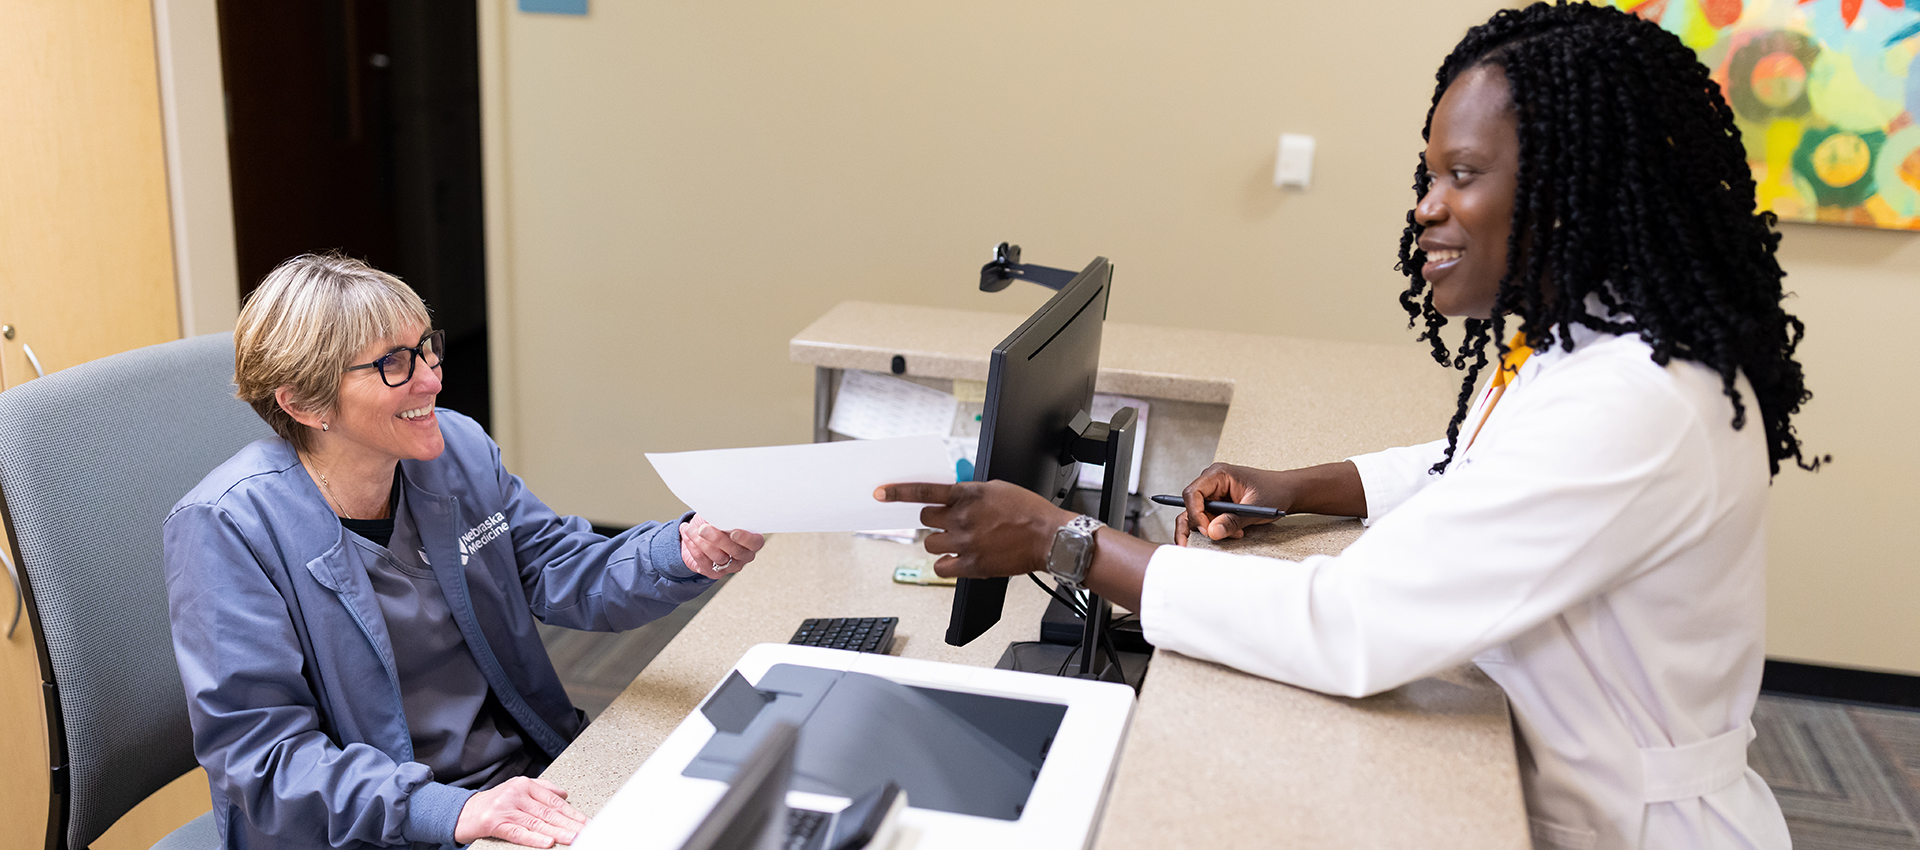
(1215, 757)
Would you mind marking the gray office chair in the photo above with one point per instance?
(91, 458)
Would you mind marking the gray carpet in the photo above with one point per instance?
(1847, 776)
(596, 666)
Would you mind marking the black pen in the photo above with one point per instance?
(1226, 507)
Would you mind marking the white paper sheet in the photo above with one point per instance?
(871, 406)
(809, 487)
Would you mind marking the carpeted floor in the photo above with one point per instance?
(595, 666)
(1847, 776)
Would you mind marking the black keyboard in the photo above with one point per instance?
(860, 634)
(802, 826)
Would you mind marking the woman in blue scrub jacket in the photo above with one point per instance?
(1591, 530)
(354, 600)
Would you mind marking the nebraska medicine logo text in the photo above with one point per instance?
(482, 534)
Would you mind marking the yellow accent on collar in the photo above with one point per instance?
(1517, 353)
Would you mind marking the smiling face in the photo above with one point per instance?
(1473, 164)
(387, 424)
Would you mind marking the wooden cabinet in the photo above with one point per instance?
(23, 742)
(86, 270)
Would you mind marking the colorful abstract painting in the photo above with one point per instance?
(1826, 93)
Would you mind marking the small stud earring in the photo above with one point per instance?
(323, 426)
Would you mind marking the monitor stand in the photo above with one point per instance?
(1059, 659)
(1109, 444)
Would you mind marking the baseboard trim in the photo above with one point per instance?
(1841, 684)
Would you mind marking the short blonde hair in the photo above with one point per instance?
(303, 326)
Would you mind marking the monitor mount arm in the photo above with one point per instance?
(1006, 266)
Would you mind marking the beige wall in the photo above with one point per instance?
(1844, 584)
(675, 189)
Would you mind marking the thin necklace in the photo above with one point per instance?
(337, 504)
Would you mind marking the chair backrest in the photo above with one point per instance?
(91, 458)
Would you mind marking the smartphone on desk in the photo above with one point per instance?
(919, 571)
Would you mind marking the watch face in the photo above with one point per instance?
(1068, 559)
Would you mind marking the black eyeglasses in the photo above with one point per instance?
(396, 369)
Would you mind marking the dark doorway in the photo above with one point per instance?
(354, 125)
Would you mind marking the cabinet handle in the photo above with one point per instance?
(19, 597)
(37, 371)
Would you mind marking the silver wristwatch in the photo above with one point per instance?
(1072, 551)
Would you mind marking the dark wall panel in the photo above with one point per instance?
(354, 126)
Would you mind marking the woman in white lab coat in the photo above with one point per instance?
(1591, 530)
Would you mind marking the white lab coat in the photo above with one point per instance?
(1599, 552)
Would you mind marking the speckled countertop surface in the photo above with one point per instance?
(1219, 758)
(1215, 757)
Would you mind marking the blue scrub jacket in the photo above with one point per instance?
(288, 662)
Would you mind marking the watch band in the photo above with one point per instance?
(1085, 524)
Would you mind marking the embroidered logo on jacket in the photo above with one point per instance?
(482, 534)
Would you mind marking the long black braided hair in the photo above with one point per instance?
(1633, 188)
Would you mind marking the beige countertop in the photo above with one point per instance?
(1214, 757)
(1220, 758)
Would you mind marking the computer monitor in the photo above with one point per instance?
(1041, 377)
(752, 815)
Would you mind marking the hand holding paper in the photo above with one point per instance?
(809, 487)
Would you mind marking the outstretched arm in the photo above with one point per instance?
(990, 529)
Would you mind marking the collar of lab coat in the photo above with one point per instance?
(1581, 335)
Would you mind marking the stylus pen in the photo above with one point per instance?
(1226, 508)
